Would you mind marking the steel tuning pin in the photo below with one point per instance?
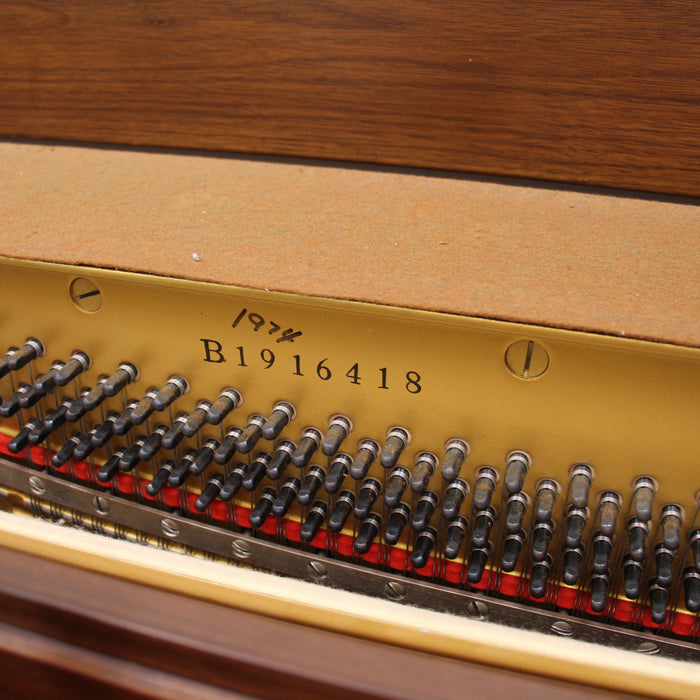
(632, 572)
(541, 537)
(52, 422)
(130, 458)
(580, 480)
(691, 587)
(600, 585)
(370, 490)
(21, 440)
(47, 382)
(671, 522)
(103, 432)
(423, 469)
(227, 448)
(125, 374)
(602, 546)
(423, 547)
(257, 471)
(367, 451)
(658, 600)
(314, 520)
(457, 530)
(88, 401)
(161, 478)
(344, 506)
(369, 530)
(209, 492)
(181, 473)
(110, 468)
(398, 481)
(78, 363)
(5, 362)
(546, 493)
(309, 442)
(517, 465)
(153, 443)
(229, 400)
(174, 435)
(204, 457)
(144, 408)
(456, 451)
(282, 414)
(233, 483)
(476, 564)
(608, 511)
(644, 490)
(539, 576)
(512, 548)
(173, 389)
(311, 485)
(196, 419)
(281, 459)
(573, 559)
(483, 522)
(485, 482)
(31, 350)
(455, 494)
(339, 469)
(423, 512)
(66, 452)
(397, 440)
(10, 406)
(695, 547)
(339, 427)
(396, 522)
(664, 559)
(516, 507)
(286, 496)
(576, 520)
(85, 446)
(29, 397)
(123, 423)
(263, 508)
(637, 533)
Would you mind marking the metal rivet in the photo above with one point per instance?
(36, 485)
(241, 549)
(317, 570)
(85, 294)
(395, 590)
(527, 359)
(477, 609)
(169, 527)
(647, 648)
(101, 505)
(562, 628)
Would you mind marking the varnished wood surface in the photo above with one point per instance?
(61, 626)
(596, 92)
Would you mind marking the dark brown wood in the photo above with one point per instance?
(595, 92)
(59, 624)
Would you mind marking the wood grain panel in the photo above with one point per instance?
(596, 92)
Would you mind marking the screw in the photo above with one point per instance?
(85, 294)
(562, 628)
(317, 570)
(169, 527)
(395, 590)
(647, 648)
(101, 505)
(477, 609)
(241, 549)
(36, 486)
(527, 359)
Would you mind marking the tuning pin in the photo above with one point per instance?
(516, 507)
(257, 471)
(227, 448)
(422, 548)
(312, 483)
(643, 497)
(181, 473)
(342, 511)
(694, 546)
(423, 469)
(153, 443)
(664, 558)
(396, 441)
(233, 483)
(671, 521)
(125, 374)
(161, 478)
(455, 494)
(367, 451)
(398, 481)
(541, 537)
(306, 447)
(31, 349)
(314, 520)
(637, 531)
(339, 469)
(251, 434)
(483, 522)
(609, 509)
(600, 583)
(77, 364)
(658, 599)
(287, 493)
(368, 531)
(130, 458)
(691, 585)
(396, 522)
(123, 424)
(282, 414)
(633, 571)
(110, 468)
(210, 492)
(545, 498)
(229, 400)
(602, 549)
(196, 419)
(174, 436)
(204, 456)
(539, 575)
(102, 433)
(85, 446)
(339, 427)
(512, 548)
(29, 397)
(423, 512)
(371, 488)
(20, 441)
(456, 532)
(456, 451)
(573, 558)
(576, 520)
(52, 421)
(281, 459)
(11, 405)
(66, 452)
(580, 479)
(485, 482)
(5, 361)
(47, 382)
(174, 388)
(517, 466)
(88, 401)
(478, 558)
(263, 508)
